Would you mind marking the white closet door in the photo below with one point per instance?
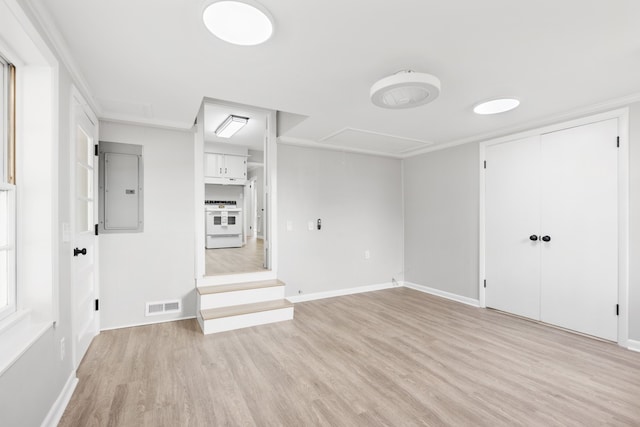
(579, 264)
(512, 215)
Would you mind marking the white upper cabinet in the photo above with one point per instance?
(235, 166)
(223, 168)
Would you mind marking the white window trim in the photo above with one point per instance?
(36, 194)
(11, 251)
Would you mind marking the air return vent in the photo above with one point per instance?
(162, 307)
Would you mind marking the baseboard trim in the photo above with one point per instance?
(633, 345)
(443, 294)
(147, 323)
(341, 292)
(57, 409)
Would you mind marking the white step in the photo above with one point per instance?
(240, 293)
(222, 319)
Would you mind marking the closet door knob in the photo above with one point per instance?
(533, 237)
(546, 238)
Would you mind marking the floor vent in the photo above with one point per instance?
(162, 307)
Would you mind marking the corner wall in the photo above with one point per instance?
(441, 196)
(157, 264)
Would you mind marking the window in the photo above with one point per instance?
(7, 191)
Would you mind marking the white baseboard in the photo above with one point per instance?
(633, 345)
(443, 294)
(57, 409)
(147, 323)
(341, 292)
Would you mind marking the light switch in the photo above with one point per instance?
(311, 225)
(289, 225)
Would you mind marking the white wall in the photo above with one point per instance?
(224, 192)
(441, 220)
(158, 264)
(359, 200)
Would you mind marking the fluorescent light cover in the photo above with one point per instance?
(496, 106)
(237, 22)
(230, 126)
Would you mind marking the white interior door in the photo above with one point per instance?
(84, 242)
(512, 215)
(579, 213)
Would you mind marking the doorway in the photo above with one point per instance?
(243, 250)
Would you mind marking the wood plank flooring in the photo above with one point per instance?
(394, 357)
(246, 259)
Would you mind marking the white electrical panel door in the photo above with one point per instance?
(579, 214)
(235, 167)
(122, 189)
(512, 216)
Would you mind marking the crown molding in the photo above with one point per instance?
(533, 124)
(300, 142)
(139, 121)
(54, 37)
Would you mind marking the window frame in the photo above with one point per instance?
(7, 182)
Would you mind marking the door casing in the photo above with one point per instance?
(623, 206)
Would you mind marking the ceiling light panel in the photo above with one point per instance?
(238, 22)
(496, 106)
(230, 126)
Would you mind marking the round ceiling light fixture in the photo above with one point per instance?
(244, 23)
(405, 89)
(496, 106)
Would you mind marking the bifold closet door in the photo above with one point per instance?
(579, 213)
(512, 216)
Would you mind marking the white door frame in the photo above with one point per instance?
(623, 205)
(78, 104)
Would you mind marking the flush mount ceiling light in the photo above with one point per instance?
(405, 89)
(230, 126)
(496, 106)
(244, 23)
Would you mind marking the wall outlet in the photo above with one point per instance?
(63, 349)
(367, 254)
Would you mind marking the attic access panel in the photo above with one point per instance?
(120, 188)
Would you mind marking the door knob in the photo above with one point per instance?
(77, 251)
(546, 238)
(533, 237)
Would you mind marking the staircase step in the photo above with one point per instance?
(241, 293)
(216, 289)
(237, 310)
(242, 316)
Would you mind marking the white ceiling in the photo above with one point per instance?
(153, 62)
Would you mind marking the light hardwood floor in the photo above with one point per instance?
(395, 357)
(246, 259)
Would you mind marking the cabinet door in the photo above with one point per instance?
(512, 210)
(213, 165)
(579, 212)
(235, 167)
